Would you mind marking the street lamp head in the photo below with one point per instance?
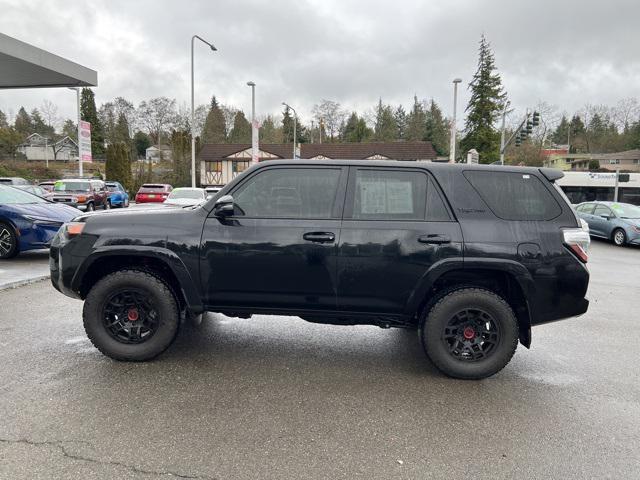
(251, 84)
(457, 80)
(214, 49)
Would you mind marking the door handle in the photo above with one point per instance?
(319, 237)
(434, 239)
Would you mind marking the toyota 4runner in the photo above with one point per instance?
(471, 256)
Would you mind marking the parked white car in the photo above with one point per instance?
(186, 196)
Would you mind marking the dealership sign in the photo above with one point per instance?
(84, 143)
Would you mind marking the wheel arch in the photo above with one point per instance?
(509, 279)
(158, 261)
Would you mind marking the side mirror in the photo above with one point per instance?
(223, 206)
(606, 217)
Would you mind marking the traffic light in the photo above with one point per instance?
(535, 119)
(529, 127)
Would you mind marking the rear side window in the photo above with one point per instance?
(514, 196)
(436, 209)
(585, 208)
(289, 193)
(389, 195)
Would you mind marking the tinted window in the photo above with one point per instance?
(289, 192)
(389, 195)
(514, 196)
(436, 209)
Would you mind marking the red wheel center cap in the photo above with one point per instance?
(133, 315)
(469, 333)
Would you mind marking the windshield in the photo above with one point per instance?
(14, 196)
(194, 194)
(626, 210)
(72, 186)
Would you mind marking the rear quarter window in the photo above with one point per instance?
(514, 196)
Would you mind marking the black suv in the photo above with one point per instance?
(471, 256)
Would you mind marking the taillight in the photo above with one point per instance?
(577, 240)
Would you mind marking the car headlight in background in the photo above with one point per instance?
(72, 229)
(635, 228)
(43, 221)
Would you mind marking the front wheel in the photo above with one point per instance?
(8, 242)
(619, 237)
(90, 207)
(107, 205)
(470, 333)
(131, 315)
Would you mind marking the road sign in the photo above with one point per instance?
(84, 142)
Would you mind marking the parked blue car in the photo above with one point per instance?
(28, 222)
(618, 222)
(118, 196)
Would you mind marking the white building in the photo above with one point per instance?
(37, 147)
(155, 152)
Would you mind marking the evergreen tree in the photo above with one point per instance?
(121, 130)
(561, 133)
(356, 129)
(484, 108)
(89, 113)
(215, 126)
(23, 124)
(70, 129)
(401, 122)
(416, 122)
(39, 125)
(3, 120)
(141, 141)
(577, 136)
(181, 152)
(438, 130)
(287, 126)
(269, 133)
(118, 164)
(241, 130)
(385, 127)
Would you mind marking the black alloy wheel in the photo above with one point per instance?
(129, 316)
(471, 334)
(8, 241)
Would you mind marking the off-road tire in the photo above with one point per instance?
(435, 319)
(160, 296)
(90, 207)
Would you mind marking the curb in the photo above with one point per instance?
(22, 283)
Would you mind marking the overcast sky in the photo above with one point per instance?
(567, 53)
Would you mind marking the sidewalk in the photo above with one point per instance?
(27, 268)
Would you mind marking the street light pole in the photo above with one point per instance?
(295, 139)
(193, 115)
(452, 147)
(254, 127)
(502, 146)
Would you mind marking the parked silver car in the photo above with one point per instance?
(618, 222)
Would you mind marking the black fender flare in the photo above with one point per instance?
(188, 286)
(511, 267)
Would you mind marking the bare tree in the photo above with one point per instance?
(626, 112)
(156, 116)
(331, 115)
(49, 111)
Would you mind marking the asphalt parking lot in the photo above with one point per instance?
(276, 397)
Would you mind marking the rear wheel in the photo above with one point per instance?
(8, 241)
(470, 333)
(619, 237)
(131, 315)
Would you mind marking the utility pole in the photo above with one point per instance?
(46, 152)
(452, 147)
(295, 115)
(254, 126)
(615, 193)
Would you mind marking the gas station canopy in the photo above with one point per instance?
(25, 66)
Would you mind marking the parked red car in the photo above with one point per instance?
(153, 193)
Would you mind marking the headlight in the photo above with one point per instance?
(636, 228)
(42, 221)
